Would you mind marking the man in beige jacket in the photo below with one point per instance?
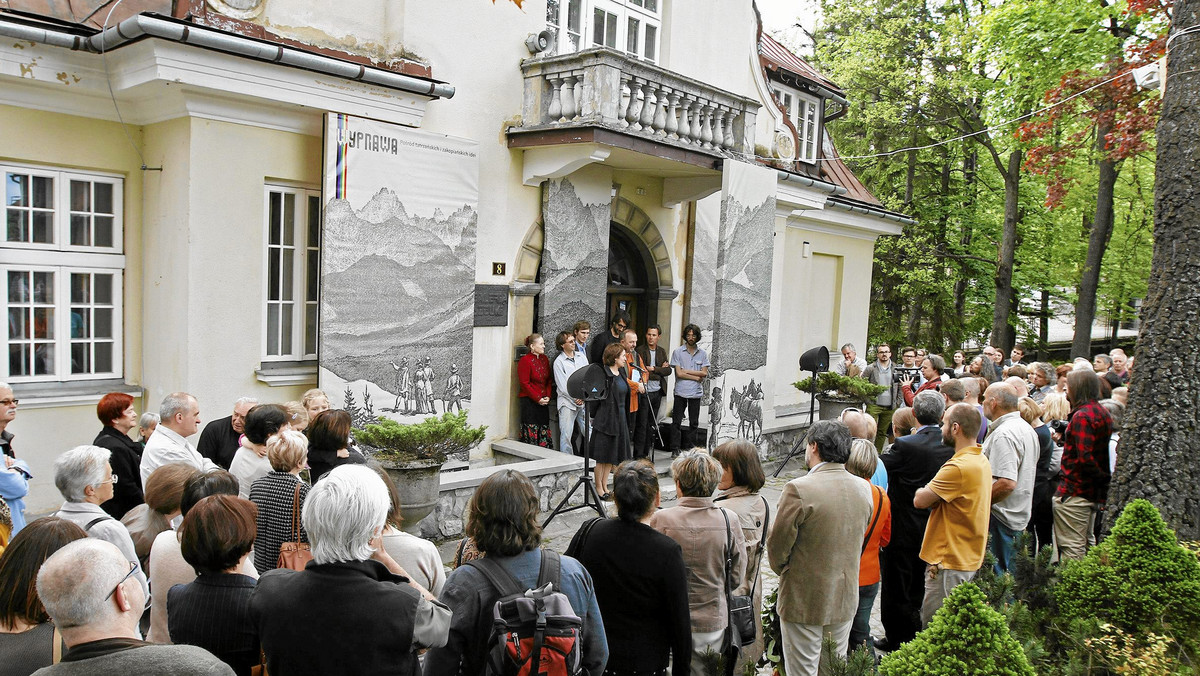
(815, 545)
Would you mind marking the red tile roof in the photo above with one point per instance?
(834, 170)
(778, 57)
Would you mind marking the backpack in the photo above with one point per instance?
(535, 632)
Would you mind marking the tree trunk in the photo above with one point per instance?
(1044, 326)
(1005, 296)
(1157, 458)
(1102, 227)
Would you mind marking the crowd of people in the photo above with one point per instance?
(274, 543)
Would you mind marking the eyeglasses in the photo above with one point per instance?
(9, 402)
(113, 480)
(132, 569)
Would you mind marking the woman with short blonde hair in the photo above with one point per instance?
(275, 495)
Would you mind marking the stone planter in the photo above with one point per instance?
(832, 405)
(418, 485)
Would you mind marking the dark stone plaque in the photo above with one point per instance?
(491, 305)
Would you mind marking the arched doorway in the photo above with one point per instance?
(632, 278)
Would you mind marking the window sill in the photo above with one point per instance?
(286, 373)
(78, 393)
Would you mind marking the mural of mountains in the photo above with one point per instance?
(396, 285)
(743, 287)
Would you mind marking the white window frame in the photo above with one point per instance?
(625, 11)
(63, 259)
(303, 252)
(804, 112)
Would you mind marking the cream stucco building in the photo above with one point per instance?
(163, 190)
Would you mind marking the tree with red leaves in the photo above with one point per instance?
(1103, 115)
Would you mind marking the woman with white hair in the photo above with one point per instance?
(705, 532)
(85, 478)
(382, 617)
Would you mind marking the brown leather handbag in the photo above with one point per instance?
(294, 555)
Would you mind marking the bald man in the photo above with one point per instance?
(1012, 448)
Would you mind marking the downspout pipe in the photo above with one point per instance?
(810, 182)
(871, 212)
(147, 25)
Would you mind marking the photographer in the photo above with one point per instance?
(931, 371)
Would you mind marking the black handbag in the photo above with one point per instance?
(743, 616)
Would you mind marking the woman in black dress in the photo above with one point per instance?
(610, 424)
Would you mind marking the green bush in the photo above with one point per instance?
(966, 636)
(430, 439)
(859, 389)
(1139, 579)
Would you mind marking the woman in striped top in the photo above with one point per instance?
(275, 497)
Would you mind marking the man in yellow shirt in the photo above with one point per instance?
(959, 503)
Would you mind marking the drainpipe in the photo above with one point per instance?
(811, 182)
(147, 25)
(871, 212)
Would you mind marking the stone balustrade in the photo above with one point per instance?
(604, 87)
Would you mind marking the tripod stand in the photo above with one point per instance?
(590, 497)
(812, 404)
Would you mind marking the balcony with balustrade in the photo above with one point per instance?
(602, 105)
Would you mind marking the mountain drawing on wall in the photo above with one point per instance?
(743, 286)
(574, 261)
(397, 289)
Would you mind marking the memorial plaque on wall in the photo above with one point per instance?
(491, 305)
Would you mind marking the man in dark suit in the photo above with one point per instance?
(221, 438)
(911, 463)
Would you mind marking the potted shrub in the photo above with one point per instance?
(837, 392)
(413, 456)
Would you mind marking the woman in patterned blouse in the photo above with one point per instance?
(275, 495)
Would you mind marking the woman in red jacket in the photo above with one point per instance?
(537, 381)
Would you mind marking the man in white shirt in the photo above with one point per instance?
(851, 364)
(180, 414)
(1012, 450)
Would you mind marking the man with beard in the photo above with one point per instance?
(691, 368)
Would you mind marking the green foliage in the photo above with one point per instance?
(772, 656)
(966, 636)
(860, 661)
(859, 389)
(430, 439)
(1139, 579)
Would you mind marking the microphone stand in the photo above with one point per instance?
(644, 398)
(812, 404)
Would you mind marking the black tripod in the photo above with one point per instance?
(812, 404)
(590, 497)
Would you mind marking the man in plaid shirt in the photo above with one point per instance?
(1085, 473)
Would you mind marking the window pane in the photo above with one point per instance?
(103, 354)
(289, 220)
(598, 26)
(651, 42)
(314, 221)
(18, 359)
(43, 227)
(312, 277)
(310, 329)
(81, 196)
(273, 274)
(102, 318)
(43, 192)
(632, 33)
(43, 359)
(18, 323)
(285, 325)
(81, 322)
(103, 288)
(574, 15)
(81, 358)
(18, 287)
(43, 287)
(43, 323)
(273, 235)
(81, 288)
(652, 5)
(610, 38)
(18, 225)
(552, 9)
(287, 281)
(104, 197)
(81, 230)
(103, 231)
(273, 329)
(16, 190)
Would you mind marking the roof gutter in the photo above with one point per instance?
(878, 213)
(810, 182)
(145, 25)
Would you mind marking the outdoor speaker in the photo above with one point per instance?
(589, 383)
(538, 42)
(815, 360)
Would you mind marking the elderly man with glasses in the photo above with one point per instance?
(85, 478)
(86, 589)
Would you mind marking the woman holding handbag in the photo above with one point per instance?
(741, 479)
(279, 497)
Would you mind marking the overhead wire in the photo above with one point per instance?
(112, 94)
